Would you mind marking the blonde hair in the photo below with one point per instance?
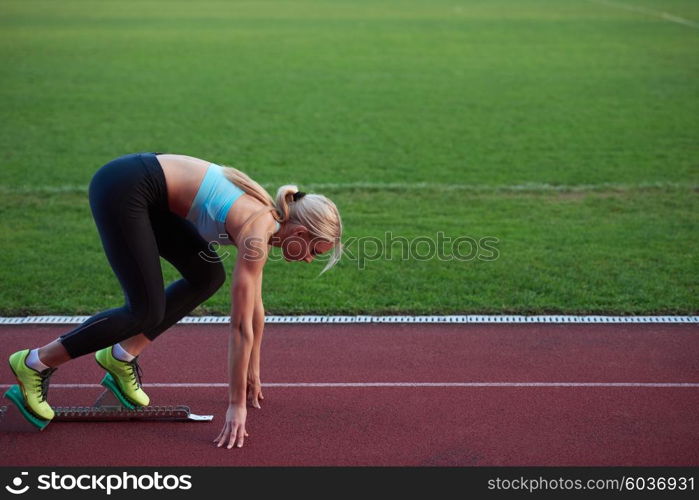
(314, 211)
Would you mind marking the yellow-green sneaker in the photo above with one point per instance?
(127, 375)
(34, 385)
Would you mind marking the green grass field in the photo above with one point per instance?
(566, 129)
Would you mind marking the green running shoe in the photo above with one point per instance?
(127, 375)
(34, 385)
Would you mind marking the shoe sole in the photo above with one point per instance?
(14, 394)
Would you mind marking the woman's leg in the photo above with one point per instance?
(53, 354)
(122, 196)
(202, 274)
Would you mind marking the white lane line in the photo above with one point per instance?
(455, 319)
(650, 12)
(396, 384)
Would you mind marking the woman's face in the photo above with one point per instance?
(301, 246)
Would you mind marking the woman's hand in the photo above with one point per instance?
(233, 432)
(255, 390)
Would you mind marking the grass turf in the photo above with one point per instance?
(566, 130)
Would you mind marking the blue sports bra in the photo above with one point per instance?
(211, 204)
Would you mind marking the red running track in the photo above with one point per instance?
(501, 426)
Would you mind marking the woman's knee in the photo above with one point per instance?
(212, 277)
(147, 318)
(218, 277)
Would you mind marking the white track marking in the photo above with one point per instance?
(398, 384)
(650, 12)
(534, 187)
(454, 319)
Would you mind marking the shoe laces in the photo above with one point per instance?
(43, 382)
(136, 372)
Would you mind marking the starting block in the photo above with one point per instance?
(110, 406)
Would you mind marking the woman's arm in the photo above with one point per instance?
(258, 325)
(242, 334)
(244, 288)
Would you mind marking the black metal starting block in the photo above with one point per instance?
(107, 408)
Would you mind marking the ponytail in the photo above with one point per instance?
(284, 199)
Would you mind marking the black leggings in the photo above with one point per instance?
(128, 198)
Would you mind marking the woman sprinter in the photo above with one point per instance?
(152, 205)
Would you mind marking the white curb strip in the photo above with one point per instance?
(63, 320)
